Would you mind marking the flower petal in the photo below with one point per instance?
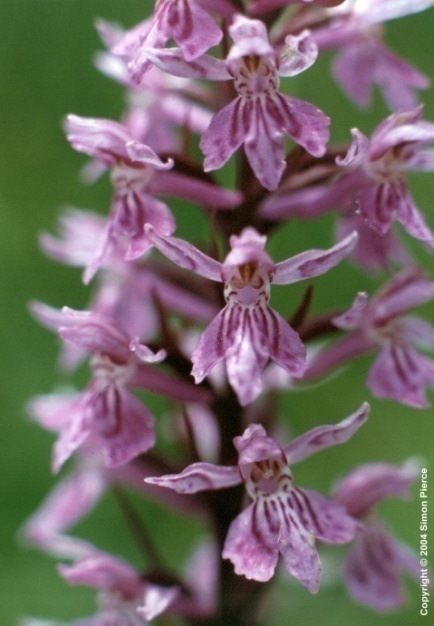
(226, 132)
(313, 262)
(184, 254)
(298, 54)
(251, 543)
(323, 437)
(199, 477)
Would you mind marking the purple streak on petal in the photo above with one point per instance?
(264, 143)
(323, 437)
(123, 425)
(286, 347)
(303, 122)
(213, 343)
(298, 54)
(371, 568)
(184, 254)
(225, 134)
(398, 80)
(313, 262)
(402, 374)
(204, 193)
(369, 484)
(251, 543)
(193, 29)
(408, 289)
(373, 252)
(199, 477)
(172, 61)
(352, 319)
(325, 519)
(338, 353)
(378, 204)
(300, 555)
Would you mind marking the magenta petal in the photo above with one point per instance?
(313, 262)
(212, 346)
(225, 134)
(371, 570)
(172, 60)
(123, 425)
(325, 519)
(322, 437)
(411, 218)
(264, 144)
(408, 289)
(298, 54)
(418, 332)
(369, 484)
(193, 29)
(378, 205)
(199, 477)
(403, 374)
(184, 254)
(105, 572)
(301, 557)
(251, 544)
(303, 122)
(286, 347)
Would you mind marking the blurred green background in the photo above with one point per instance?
(45, 72)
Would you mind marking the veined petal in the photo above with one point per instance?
(193, 29)
(298, 54)
(408, 289)
(105, 572)
(251, 543)
(264, 143)
(371, 570)
(184, 254)
(172, 60)
(225, 134)
(199, 477)
(213, 343)
(303, 122)
(323, 437)
(403, 374)
(371, 483)
(313, 262)
(325, 519)
(122, 424)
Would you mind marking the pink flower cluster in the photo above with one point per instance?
(139, 332)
